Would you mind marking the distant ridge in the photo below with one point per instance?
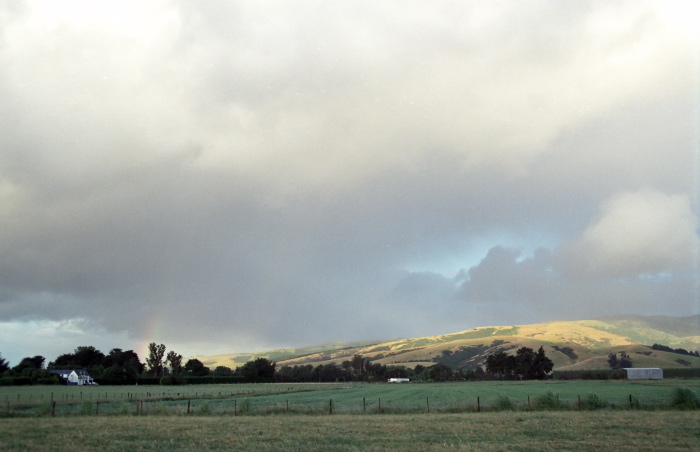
(572, 345)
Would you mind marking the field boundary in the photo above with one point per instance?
(281, 399)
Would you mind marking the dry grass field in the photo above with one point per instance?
(512, 431)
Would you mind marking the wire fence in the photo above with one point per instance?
(237, 404)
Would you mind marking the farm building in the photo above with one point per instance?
(641, 373)
(398, 380)
(74, 376)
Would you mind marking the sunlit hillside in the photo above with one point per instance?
(571, 345)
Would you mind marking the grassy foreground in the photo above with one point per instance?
(523, 431)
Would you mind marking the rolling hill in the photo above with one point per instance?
(571, 345)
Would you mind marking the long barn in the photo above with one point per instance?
(642, 373)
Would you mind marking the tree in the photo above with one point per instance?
(398, 372)
(542, 365)
(440, 372)
(223, 371)
(30, 362)
(88, 356)
(525, 364)
(128, 361)
(497, 364)
(175, 362)
(260, 368)
(33, 368)
(4, 365)
(625, 360)
(358, 365)
(619, 363)
(195, 368)
(64, 361)
(155, 359)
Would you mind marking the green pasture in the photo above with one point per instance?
(337, 398)
(624, 430)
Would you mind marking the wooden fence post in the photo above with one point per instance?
(188, 406)
(53, 408)
(364, 405)
(478, 404)
(427, 403)
(330, 406)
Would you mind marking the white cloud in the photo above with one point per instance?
(643, 232)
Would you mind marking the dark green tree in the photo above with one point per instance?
(88, 356)
(156, 353)
(398, 372)
(64, 361)
(525, 364)
(4, 365)
(328, 372)
(223, 371)
(175, 361)
(499, 364)
(128, 361)
(30, 362)
(440, 372)
(358, 366)
(297, 374)
(542, 365)
(196, 368)
(261, 368)
(619, 363)
(625, 360)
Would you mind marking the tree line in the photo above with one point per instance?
(680, 351)
(166, 367)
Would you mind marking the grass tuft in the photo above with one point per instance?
(684, 399)
(549, 401)
(595, 402)
(503, 403)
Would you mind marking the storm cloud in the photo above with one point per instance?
(234, 176)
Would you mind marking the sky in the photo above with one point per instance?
(236, 176)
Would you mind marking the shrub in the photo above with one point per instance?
(503, 403)
(549, 401)
(684, 399)
(594, 402)
(45, 409)
(86, 408)
(205, 408)
(245, 406)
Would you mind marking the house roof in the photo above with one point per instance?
(81, 372)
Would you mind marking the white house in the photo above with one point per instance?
(398, 380)
(74, 376)
(643, 373)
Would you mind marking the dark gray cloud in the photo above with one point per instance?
(235, 176)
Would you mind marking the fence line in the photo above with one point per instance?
(205, 404)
